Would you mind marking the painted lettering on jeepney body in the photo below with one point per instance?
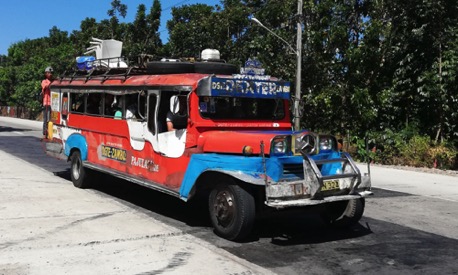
(113, 153)
(144, 163)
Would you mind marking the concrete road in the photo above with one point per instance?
(49, 227)
(416, 211)
(410, 226)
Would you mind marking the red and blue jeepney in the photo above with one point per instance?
(232, 141)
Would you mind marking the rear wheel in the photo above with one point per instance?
(79, 174)
(344, 213)
(232, 211)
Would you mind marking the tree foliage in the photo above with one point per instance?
(368, 66)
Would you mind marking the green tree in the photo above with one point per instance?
(143, 35)
(154, 42)
(191, 30)
(116, 8)
(6, 84)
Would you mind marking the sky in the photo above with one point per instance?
(30, 19)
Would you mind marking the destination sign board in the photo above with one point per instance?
(256, 88)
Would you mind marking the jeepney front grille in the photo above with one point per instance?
(293, 171)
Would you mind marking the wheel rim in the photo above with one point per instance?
(224, 207)
(76, 168)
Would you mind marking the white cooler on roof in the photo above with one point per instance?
(210, 54)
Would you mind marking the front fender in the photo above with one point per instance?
(76, 141)
(248, 169)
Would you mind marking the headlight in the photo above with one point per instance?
(279, 145)
(327, 143)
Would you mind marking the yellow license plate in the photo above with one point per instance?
(330, 185)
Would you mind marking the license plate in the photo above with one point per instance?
(330, 185)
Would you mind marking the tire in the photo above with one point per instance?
(344, 214)
(78, 173)
(159, 67)
(215, 68)
(232, 211)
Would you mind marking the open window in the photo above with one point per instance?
(78, 102)
(177, 116)
(94, 104)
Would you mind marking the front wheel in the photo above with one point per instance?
(232, 211)
(79, 174)
(344, 213)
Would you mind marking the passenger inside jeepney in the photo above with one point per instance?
(110, 105)
(132, 108)
(177, 116)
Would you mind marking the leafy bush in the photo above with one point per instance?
(416, 152)
(444, 156)
(404, 148)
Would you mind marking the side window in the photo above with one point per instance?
(64, 106)
(112, 106)
(152, 101)
(177, 111)
(77, 102)
(131, 106)
(136, 107)
(119, 107)
(94, 104)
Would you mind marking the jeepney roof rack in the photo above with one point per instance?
(108, 64)
(104, 73)
(152, 68)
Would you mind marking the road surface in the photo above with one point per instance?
(47, 226)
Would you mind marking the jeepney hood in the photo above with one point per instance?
(234, 141)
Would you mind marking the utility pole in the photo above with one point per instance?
(297, 96)
(298, 52)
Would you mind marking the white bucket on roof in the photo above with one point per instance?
(210, 54)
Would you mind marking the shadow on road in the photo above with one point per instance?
(283, 228)
(32, 150)
(11, 129)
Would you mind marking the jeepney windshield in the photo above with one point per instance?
(225, 108)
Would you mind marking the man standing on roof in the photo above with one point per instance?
(46, 94)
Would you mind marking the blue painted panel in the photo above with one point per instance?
(76, 141)
(251, 166)
(329, 169)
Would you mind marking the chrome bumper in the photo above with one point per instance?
(279, 204)
(311, 190)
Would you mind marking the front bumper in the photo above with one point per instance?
(324, 181)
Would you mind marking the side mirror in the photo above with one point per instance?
(174, 104)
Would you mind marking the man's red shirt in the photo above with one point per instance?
(46, 92)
